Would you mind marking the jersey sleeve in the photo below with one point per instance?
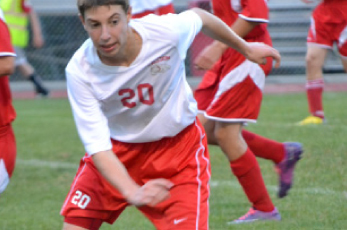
(90, 121)
(6, 48)
(190, 25)
(26, 6)
(255, 10)
(186, 26)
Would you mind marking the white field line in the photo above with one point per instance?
(284, 124)
(213, 183)
(46, 164)
(315, 191)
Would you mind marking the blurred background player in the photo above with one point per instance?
(142, 8)
(7, 112)
(18, 13)
(230, 95)
(328, 26)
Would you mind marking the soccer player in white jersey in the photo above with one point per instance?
(136, 117)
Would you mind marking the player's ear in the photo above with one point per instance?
(129, 13)
(82, 20)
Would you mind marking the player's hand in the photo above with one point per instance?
(258, 52)
(151, 193)
(209, 55)
(38, 41)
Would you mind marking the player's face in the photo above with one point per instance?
(107, 27)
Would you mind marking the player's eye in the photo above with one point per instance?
(94, 25)
(114, 22)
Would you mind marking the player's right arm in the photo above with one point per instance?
(38, 40)
(151, 193)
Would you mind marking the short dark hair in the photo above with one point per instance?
(84, 5)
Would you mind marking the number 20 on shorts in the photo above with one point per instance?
(80, 199)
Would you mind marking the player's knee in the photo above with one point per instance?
(81, 223)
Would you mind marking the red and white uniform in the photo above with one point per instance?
(7, 113)
(146, 113)
(329, 25)
(232, 90)
(142, 8)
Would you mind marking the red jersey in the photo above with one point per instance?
(249, 10)
(7, 112)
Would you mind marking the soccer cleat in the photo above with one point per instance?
(42, 91)
(311, 120)
(285, 168)
(255, 215)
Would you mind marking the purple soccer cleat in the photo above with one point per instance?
(285, 168)
(255, 215)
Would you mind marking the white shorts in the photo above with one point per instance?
(20, 58)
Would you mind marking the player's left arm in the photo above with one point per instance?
(218, 30)
(211, 53)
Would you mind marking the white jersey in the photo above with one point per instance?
(140, 6)
(145, 102)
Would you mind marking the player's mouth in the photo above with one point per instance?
(108, 48)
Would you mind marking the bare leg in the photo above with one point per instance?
(315, 84)
(28, 72)
(344, 63)
(67, 226)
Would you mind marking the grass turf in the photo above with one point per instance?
(49, 151)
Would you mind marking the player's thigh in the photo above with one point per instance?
(343, 51)
(68, 226)
(344, 63)
(315, 58)
(187, 207)
(316, 54)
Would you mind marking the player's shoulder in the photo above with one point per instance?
(81, 56)
(164, 25)
(155, 27)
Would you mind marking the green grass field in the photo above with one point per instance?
(49, 150)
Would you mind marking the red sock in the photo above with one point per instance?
(247, 171)
(314, 91)
(263, 147)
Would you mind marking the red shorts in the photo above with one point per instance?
(329, 26)
(232, 93)
(159, 11)
(7, 155)
(182, 159)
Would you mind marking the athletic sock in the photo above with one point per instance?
(314, 91)
(263, 147)
(248, 173)
(37, 81)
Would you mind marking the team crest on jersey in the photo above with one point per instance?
(157, 66)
